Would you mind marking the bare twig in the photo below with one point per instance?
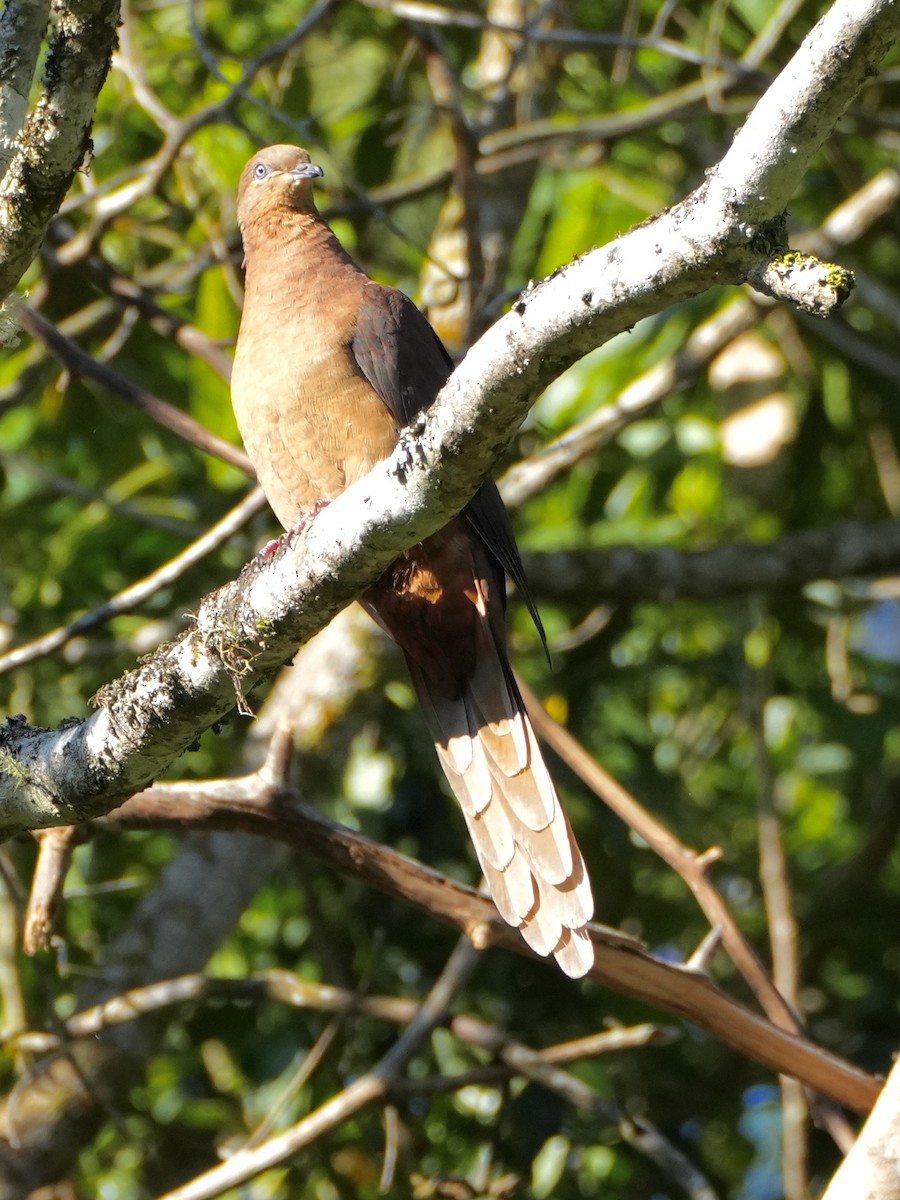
(391, 1147)
(141, 296)
(138, 593)
(372, 1086)
(305, 1069)
(79, 362)
(286, 987)
(54, 856)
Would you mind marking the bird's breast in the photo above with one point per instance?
(310, 421)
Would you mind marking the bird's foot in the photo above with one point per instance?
(305, 520)
(287, 538)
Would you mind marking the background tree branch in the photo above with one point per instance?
(623, 574)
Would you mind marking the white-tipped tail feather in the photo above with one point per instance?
(521, 834)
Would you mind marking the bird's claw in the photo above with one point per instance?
(291, 535)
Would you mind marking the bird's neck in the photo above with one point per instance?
(298, 237)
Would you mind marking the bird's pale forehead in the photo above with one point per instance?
(282, 158)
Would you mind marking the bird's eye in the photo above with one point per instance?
(260, 171)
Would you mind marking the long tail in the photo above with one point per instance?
(520, 832)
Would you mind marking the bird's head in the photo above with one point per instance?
(279, 177)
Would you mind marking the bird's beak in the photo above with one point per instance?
(307, 171)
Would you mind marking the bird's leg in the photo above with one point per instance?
(286, 538)
(305, 520)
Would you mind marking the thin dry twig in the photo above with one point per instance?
(79, 362)
(56, 847)
(373, 1086)
(286, 987)
(299, 1078)
(139, 294)
(140, 592)
(783, 936)
(694, 870)
(391, 1147)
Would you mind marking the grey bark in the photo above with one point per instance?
(871, 1171)
(54, 141)
(22, 26)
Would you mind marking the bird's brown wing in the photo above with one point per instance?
(407, 364)
(398, 352)
(444, 603)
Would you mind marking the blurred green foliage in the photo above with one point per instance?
(699, 706)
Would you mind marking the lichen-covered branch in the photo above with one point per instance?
(22, 26)
(55, 139)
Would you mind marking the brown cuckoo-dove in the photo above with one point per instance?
(329, 367)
